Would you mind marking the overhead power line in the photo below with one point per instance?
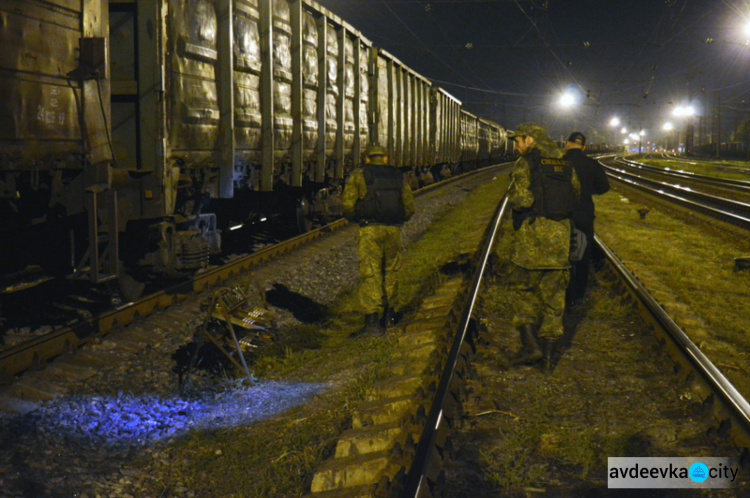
(484, 90)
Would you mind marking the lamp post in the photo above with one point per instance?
(668, 127)
(614, 123)
(624, 132)
(686, 112)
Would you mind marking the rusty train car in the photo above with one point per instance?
(136, 130)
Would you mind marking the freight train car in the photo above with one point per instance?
(55, 145)
(491, 143)
(133, 131)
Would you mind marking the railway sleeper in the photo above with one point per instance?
(373, 456)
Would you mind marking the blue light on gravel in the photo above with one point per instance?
(144, 420)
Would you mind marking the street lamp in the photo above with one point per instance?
(683, 111)
(567, 100)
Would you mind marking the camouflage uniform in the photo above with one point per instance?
(379, 246)
(540, 249)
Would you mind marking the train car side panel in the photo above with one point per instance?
(247, 100)
(364, 102)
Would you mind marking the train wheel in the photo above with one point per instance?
(304, 223)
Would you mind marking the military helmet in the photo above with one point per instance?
(376, 150)
(535, 131)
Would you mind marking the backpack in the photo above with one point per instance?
(552, 186)
(384, 200)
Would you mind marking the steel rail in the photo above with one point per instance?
(675, 157)
(738, 185)
(737, 406)
(738, 206)
(738, 213)
(415, 478)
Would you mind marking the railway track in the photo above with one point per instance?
(735, 212)
(732, 407)
(702, 181)
(400, 437)
(413, 466)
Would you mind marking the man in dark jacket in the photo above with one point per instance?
(593, 182)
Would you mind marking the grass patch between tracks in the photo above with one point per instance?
(691, 274)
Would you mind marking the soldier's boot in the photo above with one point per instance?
(390, 317)
(371, 326)
(529, 352)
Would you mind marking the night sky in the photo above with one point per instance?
(509, 60)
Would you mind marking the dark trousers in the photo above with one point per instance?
(579, 271)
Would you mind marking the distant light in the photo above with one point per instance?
(683, 111)
(747, 29)
(567, 99)
(668, 126)
(614, 122)
(263, 219)
(235, 227)
(626, 141)
(624, 130)
(642, 133)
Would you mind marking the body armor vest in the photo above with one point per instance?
(384, 200)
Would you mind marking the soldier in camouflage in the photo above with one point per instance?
(540, 249)
(378, 197)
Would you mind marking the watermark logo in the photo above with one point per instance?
(698, 472)
(667, 472)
